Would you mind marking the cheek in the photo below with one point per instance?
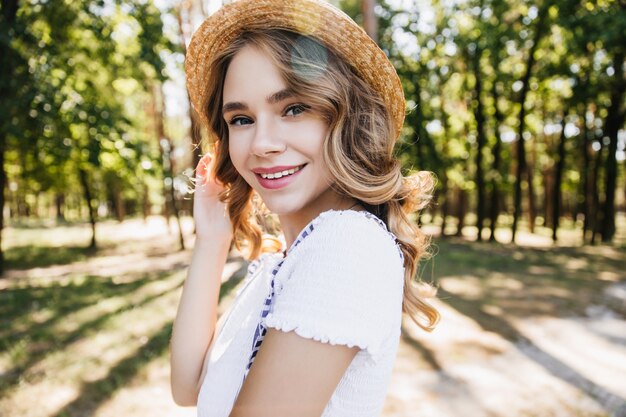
(236, 156)
(239, 158)
(311, 137)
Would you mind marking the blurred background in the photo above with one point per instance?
(517, 106)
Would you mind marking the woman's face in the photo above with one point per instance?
(275, 137)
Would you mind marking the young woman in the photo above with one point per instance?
(304, 110)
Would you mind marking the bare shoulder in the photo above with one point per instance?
(292, 375)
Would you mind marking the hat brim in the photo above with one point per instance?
(313, 18)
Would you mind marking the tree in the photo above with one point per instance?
(65, 60)
(522, 168)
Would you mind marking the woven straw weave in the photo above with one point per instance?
(314, 18)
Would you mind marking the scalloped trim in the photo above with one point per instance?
(285, 326)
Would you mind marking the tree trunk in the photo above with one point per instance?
(417, 138)
(530, 177)
(7, 25)
(595, 212)
(548, 194)
(156, 130)
(585, 198)
(83, 176)
(59, 201)
(479, 115)
(521, 150)
(461, 203)
(194, 129)
(445, 206)
(3, 180)
(181, 237)
(558, 175)
(166, 147)
(614, 120)
(370, 23)
(497, 158)
(145, 204)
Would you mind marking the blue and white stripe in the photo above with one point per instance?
(259, 333)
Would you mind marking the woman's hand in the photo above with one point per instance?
(210, 214)
(196, 319)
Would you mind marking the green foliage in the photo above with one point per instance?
(433, 50)
(81, 73)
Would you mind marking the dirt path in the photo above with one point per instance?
(485, 359)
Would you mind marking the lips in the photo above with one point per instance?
(278, 176)
(276, 169)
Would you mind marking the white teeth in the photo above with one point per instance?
(280, 174)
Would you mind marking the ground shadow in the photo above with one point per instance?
(45, 342)
(30, 256)
(554, 281)
(488, 282)
(94, 393)
(447, 383)
(40, 340)
(426, 354)
(19, 304)
(492, 323)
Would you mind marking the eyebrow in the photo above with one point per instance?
(273, 99)
(280, 96)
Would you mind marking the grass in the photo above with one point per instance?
(479, 279)
(79, 328)
(31, 256)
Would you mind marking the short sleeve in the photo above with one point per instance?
(342, 284)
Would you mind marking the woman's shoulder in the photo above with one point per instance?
(343, 253)
(359, 231)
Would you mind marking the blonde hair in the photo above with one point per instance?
(359, 151)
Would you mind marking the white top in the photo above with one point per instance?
(343, 284)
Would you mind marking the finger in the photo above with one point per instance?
(203, 164)
(203, 168)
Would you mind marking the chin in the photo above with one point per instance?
(280, 210)
(282, 207)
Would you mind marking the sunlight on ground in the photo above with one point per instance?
(113, 330)
(525, 331)
(460, 370)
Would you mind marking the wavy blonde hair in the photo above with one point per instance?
(359, 151)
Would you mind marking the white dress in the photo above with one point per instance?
(341, 283)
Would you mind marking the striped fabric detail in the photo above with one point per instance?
(259, 333)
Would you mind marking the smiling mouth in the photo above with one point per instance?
(281, 174)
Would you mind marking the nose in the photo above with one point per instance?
(267, 139)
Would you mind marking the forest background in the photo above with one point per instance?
(517, 106)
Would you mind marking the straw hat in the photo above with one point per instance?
(314, 18)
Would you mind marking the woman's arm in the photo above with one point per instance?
(292, 376)
(194, 326)
(195, 321)
(344, 285)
